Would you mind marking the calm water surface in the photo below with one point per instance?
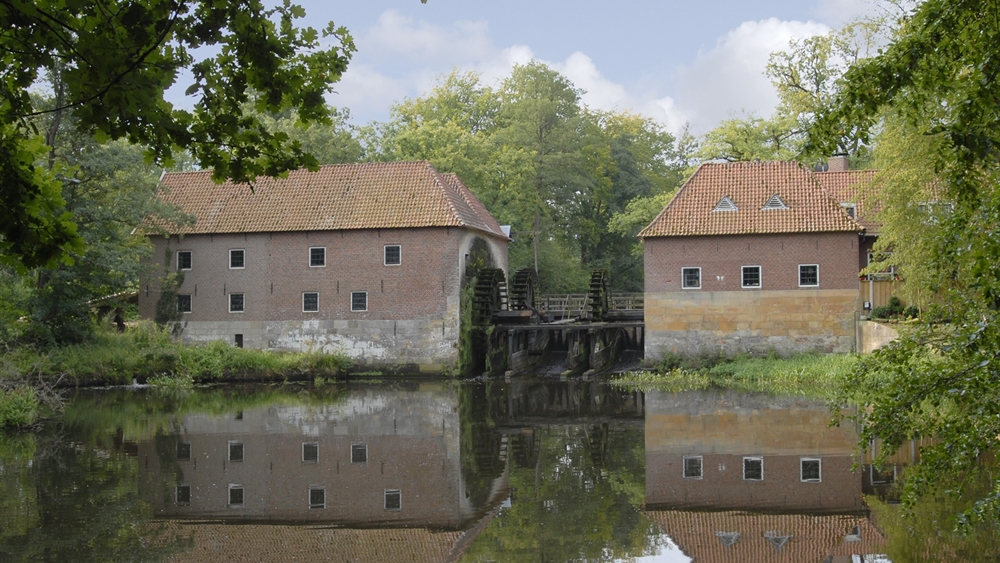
(522, 470)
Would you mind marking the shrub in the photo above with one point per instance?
(18, 407)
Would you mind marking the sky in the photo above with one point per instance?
(680, 62)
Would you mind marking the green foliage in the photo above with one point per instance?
(810, 375)
(938, 86)
(147, 352)
(894, 309)
(541, 162)
(923, 532)
(18, 407)
(114, 83)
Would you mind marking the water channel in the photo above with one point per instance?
(540, 470)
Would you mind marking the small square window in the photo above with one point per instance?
(235, 495)
(851, 209)
(317, 497)
(359, 301)
(808, 275)
(183, 259)
(751, 276)
(393, 499)
(359, 453)
(753, 468)
(310, 302)
(183, 495)
(691, 278)
(693, 467)
(811, 470)
(235, 451)
(310, 452)
(184, 451)
(393, 255)
(236, 303)
(317, 257)
(237, 259)
(184, 303)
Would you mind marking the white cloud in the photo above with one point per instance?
(599, 92)
(367, 92)
(396, 36)
(729, 79)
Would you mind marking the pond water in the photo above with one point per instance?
(413, 471)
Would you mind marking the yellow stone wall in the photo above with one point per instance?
(731, 322)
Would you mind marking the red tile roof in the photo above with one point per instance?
(853, 186)
(750, 185)
(376, 195)
(813, 537)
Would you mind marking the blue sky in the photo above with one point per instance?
(679, 62)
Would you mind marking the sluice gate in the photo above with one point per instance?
(563, 334)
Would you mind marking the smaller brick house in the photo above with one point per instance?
(751, 257)
(364, 259)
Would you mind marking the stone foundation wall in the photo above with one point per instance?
(758, 322)
(428, 345)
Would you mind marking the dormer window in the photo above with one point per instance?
(725, 204)
(851, 209)
(774, 203)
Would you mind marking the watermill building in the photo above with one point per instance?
(363, 259)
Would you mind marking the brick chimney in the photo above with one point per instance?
(838, 163)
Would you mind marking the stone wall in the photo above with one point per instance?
(733, 322)
(411, 322)
(873, 335)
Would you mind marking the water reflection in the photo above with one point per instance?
(525, 470)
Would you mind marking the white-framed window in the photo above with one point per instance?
(393, 255)
(310, 302)
(235, 450)
(184, 259)
(236, 303)
(236, 496)
(393, 499)
(317, 497)
(751, 277)
(183, 302)
(182, 496)
(753, 469)
(693, 467)
(808, 275)
(359, 453)
(811, 469)
(691, 278)
(310, 452)
(880, 477)
(359, 301)
(237, 259)
(317, 256)
(184, 451)
(850, 208)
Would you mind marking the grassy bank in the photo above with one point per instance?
(811, 375)
(144, 354)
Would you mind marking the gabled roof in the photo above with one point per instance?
(852, 186)
(750, 186)
(376, 195)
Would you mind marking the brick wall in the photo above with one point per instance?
(412, 308)
(722, 316)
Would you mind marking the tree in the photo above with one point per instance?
(942, 379)
(116, 58)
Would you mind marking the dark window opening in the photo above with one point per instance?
(235, 495)
(310, 302)
(359, 453)
(237, 259)
(236, 303)
(239, 340)
(235, 451)
(184, 303)
(183, 259)
(393, 255)
(393, 499)
(753, 468)
(808, 275)
(310, 452)
(811, 470)
(317, 498)
(692, 468)
(359, 300)
(751, 276)
(691, 278)
(317, 256)
(183, 495)
(184, 451)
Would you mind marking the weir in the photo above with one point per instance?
(575, 334)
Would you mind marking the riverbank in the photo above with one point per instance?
(816, 376)
(144, 354)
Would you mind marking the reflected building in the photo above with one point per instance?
(741, 477)
(379, 469)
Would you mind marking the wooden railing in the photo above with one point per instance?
(576, 305)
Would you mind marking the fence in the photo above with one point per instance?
(878, 291)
